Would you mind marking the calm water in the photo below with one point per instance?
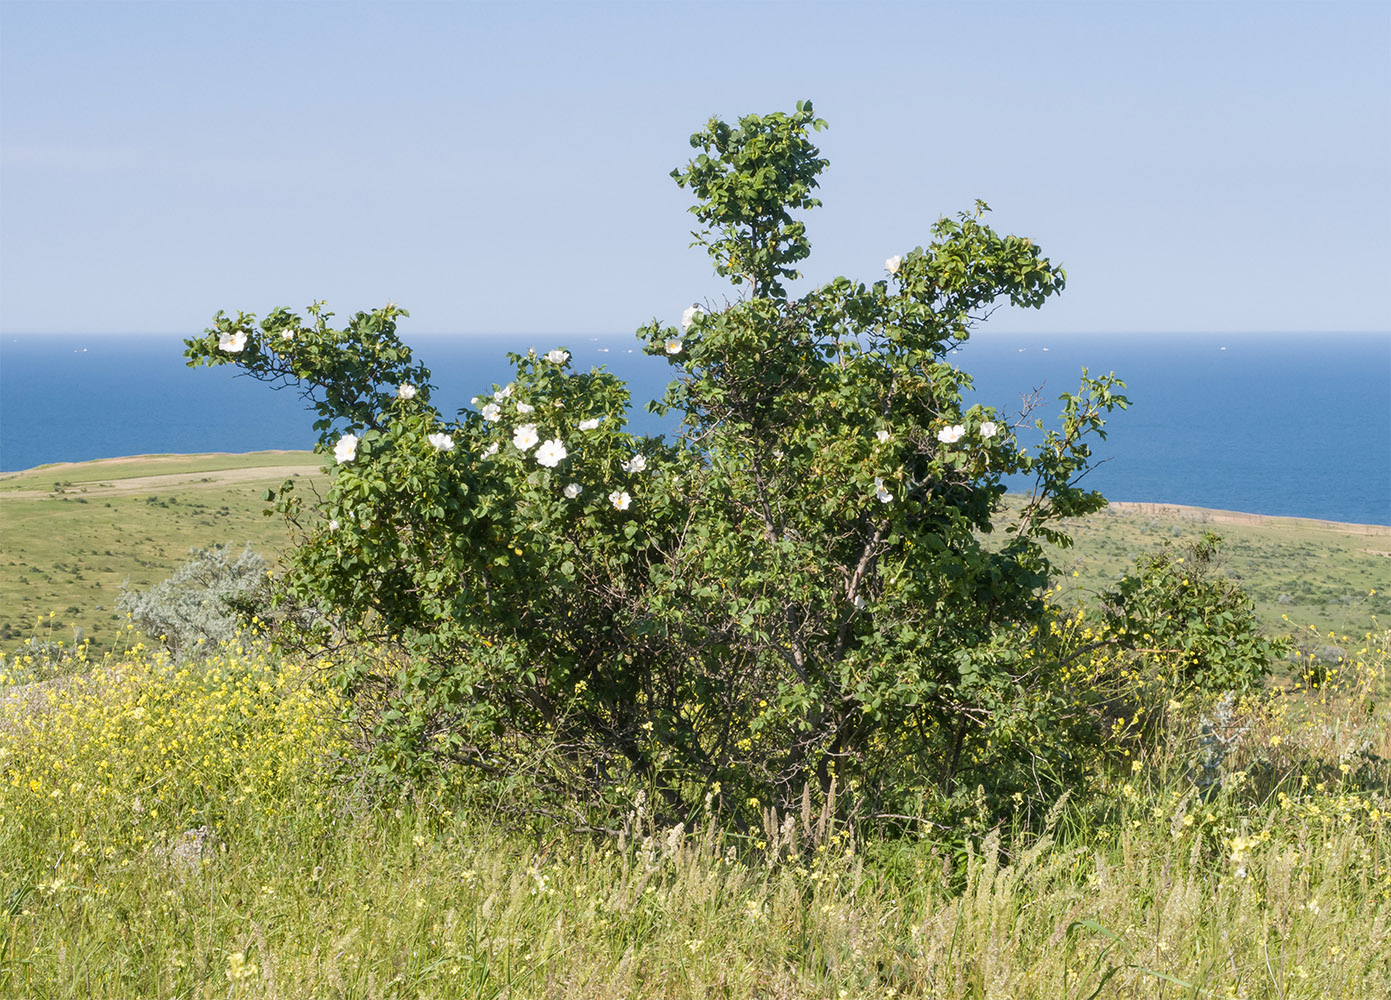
(1291, 425)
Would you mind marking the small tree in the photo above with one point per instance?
(794, 592)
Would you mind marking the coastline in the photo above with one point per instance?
(1214, 516)
(111, 468)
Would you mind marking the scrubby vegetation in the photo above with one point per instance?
(186, 831)
(793, 706)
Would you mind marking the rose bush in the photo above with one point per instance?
(814, 583)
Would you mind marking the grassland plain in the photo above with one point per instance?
(71, 534)
(181, 830)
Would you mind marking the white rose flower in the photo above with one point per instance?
(287, 334)
(490, 451)
(405, 390)
(620, 499)
(473, 401)
(688, 317)
(883, 436)
(346, 449)
(589, 425)
(635, 464)
(572, 491)
(333, 524)
(442, 442)
(232, 343)
(550, 453)
(524, 436)
(503, 393)
(492, 412)
(989, 429)
(880, 492)
(859, 603)
(893, 264)
(525, 407)
(558, 357)
(952, 434)
(673, 346)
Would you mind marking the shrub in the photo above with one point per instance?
(205, 602)
(793, 592)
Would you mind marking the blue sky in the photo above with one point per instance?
(504, 167)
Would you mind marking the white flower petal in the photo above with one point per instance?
(558, 357)
(688, 317)
(405, 391)
(635, 464)
(524, 436)
(492, 412)
(525, 407)
(572, 491)
(989, 429)
(442, 442)
(346, 449)
(589, 425)
(232, 343)
(893, 264)
(551, 453)
(620, 499)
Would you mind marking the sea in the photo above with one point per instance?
(1279, 424)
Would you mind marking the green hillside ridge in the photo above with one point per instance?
(72, 533)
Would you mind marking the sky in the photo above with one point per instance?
(504, 168)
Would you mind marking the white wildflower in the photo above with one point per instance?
(550, 453)
(492, 412)
(490, 451)
(572, 491)
(883, 436)
(442, 442)
(989, 429)
(525, 407)
(635, 464)
(333, 524)
(893, 263)
(346, 449)
(673, 346)
(232, 343)
(688, 317)
(620, 499)
(405, 390)
(524, 436)
(590, 424)
(503, 393)
(558, 357)
(880, 492)
(952, 434)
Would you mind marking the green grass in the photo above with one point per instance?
(64, 555)
(1276, 886)
(73, 533)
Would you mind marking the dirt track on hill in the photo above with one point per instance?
(1202, 514)
(116, 487)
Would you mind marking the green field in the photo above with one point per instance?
(200, 830)
(70, 534)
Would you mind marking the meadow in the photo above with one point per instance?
(73, 533)
(175, 829)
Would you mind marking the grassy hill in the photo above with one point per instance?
(71, 534)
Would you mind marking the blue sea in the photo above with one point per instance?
(1295, 425)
